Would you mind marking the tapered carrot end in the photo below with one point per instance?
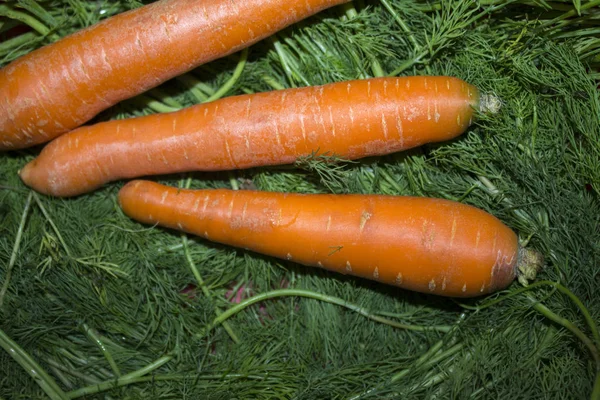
(129, 191)
(530, 263)
(25, 173)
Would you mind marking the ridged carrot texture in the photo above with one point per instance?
(351, 119)
(421, 244)
(61, 86)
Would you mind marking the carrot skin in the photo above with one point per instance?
(61, 86)
(352, 119)
(421, 244)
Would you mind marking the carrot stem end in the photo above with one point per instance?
(530, 263)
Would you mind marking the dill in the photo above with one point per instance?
(98, 305)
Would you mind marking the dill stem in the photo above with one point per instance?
(408, 63)
(15, 250)
(571, 13)
(401, 23)
(200, 280)
(37, 10)
(561, 288)
(155, 105)
(34, 370)
(17, 41)
(203, 287)
(54, 228)
(122, 381)
(584, 310)
(272, 82)
(165, 98)
(27, 19)
(596, 390)
(288, 66)
(197, 88)
(194, 86)
(96, 339)
(527, 361)
(233, 181)
(112, 384)
(349, 10)
(71, 371)
(316, 296)
(565, 323)
(61, 376)
(234, 77)
(420, 361)
(445, 354)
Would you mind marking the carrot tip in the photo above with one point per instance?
(530, 263)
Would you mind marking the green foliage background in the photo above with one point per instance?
(110, 309)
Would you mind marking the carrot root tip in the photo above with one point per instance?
(489, 103)
(530, 263)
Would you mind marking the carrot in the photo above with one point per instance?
(351, 119)
(421, 244)
(61, 86)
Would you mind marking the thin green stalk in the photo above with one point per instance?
(34, 370)
(36, 9)
(198, 89)
(396, 377)
(73, 372)
(351, 13)
(408, 63)
(286, 63)
(596, 390)
(565, 323)
(15, 251)
(593, 32)
(233, 181)
(204, 289)
(571, 13)
(27, 19)
(124, 380)
(272, 82)
(440, 376)
(165, 98)
(47, 216)
(349, 10)
(431, 51)
(234, 77)
(96, 339)
(12, 43)
(525, 363)
(420, 361)
(112, 384)
(401, 23)
(62, 377)
(376, 68)
(586, 314)
(321, 297)
(200, 280)
(444, 354)
(155, 105)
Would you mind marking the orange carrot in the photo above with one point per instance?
(61, 86)
(352, 119)
(421, 244)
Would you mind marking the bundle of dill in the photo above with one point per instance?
(95, 305)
